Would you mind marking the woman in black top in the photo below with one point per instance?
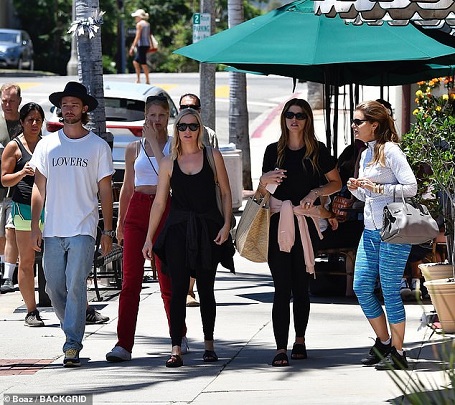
(295, 163)
(18, 174)
(196, 236)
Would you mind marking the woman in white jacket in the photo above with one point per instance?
(383, 173)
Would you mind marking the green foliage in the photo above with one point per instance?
(171, 23)
(47, 26)
(430, 149)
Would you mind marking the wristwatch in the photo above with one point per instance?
(108, 233)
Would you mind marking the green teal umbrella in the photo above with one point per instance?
(292, 41)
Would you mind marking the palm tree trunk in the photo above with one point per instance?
(238, 110)
(90, 66)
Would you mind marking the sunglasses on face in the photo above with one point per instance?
(299, 116)
(182, 127)
(357, 122)
(193, 106)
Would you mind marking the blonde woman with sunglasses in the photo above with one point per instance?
(196, 235)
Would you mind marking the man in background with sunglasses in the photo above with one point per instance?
(190, 100)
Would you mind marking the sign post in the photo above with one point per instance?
(201, 26)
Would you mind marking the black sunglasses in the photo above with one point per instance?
(193, 106)
(290, 115)
(357, 122)
(159, 97)
(182, 127)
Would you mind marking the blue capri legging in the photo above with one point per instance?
(386, 260)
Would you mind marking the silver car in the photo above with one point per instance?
(125, 107)
(16, 49)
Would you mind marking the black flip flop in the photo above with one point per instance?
(174, 361)
(209, 356)
(280, 360)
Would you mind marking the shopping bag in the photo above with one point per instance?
(252, 233)
(153, 44)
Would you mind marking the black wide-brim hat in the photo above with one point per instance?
(74, 89)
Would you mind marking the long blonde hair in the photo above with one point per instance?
(309, 137)
(176, 148)
(386, 131)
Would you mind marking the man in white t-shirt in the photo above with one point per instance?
(72, 167)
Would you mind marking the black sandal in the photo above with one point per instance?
(298, 351)
(174, 361)
(209, 356)
(280, 360)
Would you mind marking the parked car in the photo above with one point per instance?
(16, 49)
(125, 107)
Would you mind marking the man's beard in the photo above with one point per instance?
(71, 120)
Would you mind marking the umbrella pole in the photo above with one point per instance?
(336, 93)
(328, 134)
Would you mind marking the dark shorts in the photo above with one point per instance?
(141, 55)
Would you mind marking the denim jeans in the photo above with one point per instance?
(67, 264)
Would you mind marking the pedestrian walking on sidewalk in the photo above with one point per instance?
(19, 176)
(190, 100)
(196, 236)
(72, 168)
(295, 164)
(141, 44)
(142, 161)
(10, 127)
(383, 173)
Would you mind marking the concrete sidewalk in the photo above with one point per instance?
(337, 337)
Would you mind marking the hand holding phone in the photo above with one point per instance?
(271, 187)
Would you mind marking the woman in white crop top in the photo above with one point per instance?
(142, 159)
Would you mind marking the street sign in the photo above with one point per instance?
(201, 26)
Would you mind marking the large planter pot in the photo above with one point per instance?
(436, 271)
(442, 294)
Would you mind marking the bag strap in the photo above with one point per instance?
(211, 161)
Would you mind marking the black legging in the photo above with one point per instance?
(289, 276)
(180, 277)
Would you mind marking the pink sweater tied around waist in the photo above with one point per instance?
(286, 229)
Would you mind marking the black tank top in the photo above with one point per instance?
(194, 192)
(22, 192)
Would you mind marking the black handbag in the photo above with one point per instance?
(408, 222)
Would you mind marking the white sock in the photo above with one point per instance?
(9, 270)
(2, 258)
(415, 282)
(387, 342)
(400, 352)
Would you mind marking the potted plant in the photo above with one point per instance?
(430, 148)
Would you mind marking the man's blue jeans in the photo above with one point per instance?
(67, 264)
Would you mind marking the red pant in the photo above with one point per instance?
(134, 233)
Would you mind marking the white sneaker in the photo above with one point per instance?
(118, 354)
(405, 291)
(184, 348)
